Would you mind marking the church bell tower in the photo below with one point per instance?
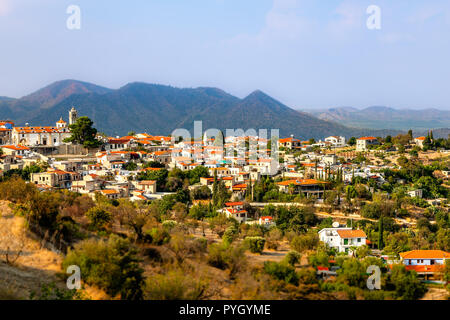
(73, 114)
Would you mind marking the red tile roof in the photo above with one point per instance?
(347, 234)
(367, 138)
(425, 254)
(233, 204)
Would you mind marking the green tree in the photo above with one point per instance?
(380, 234)
(352, 141)
(197, 173)
(83, 132)
(406, 284)
(98, 217)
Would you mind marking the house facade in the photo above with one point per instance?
(343, 239)
(362, 144)
(336, 141)
(43, 136)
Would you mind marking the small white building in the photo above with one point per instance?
(266, 221)
(336, 141)
(342, 239)
(236, 210)
(418, 193)
(362, 144)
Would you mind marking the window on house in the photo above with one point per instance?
(345, 241)
(359, 239)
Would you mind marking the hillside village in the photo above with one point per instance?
(305, 217)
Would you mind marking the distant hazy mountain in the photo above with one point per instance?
(386, 118)
(159, 109)
(58, 91)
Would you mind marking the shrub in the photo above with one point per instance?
(320, 258)
(98, 217)
(406, 284)
(255, 244)
(281, 271)
(158, 236)
(169, 224)
(225, 256)
(217, 255)
(174, 285)
(305, 242)
(273, 238)
(111, 265)
(292, 257)
(230, 235)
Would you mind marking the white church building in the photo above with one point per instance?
(44, 136)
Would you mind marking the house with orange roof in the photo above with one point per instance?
(148, 186)
(266, 221)
(343, 239)
(236, 210)
(419, 141)
(5, 131)
(111, 194)
(307, 187)
(363, 143)
(118, 144)
(289, 143)
(162, 157)
(56, 178)
(90, 182)
(425, 262)
(15, 150)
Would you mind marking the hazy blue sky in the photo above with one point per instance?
(306, 53)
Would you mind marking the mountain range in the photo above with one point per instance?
(381, 117)
(160, 109)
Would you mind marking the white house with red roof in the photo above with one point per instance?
(236, 210)
(14, 150)
(419, 141)
(343, 239)
(289, 143)
(266, 221)
(363, 143)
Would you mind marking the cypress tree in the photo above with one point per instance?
(380, 234)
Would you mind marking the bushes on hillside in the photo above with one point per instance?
(223, 256)
(292, 257)
(174, 285)
(304, 242)
(230, 234)
(406, 284)
(281, 271)
(111, 265)
(98, 217)
(255, 244)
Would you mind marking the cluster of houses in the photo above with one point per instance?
(238, 161)
(108, 172)
(426, 263)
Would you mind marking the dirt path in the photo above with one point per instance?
(436, 294)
